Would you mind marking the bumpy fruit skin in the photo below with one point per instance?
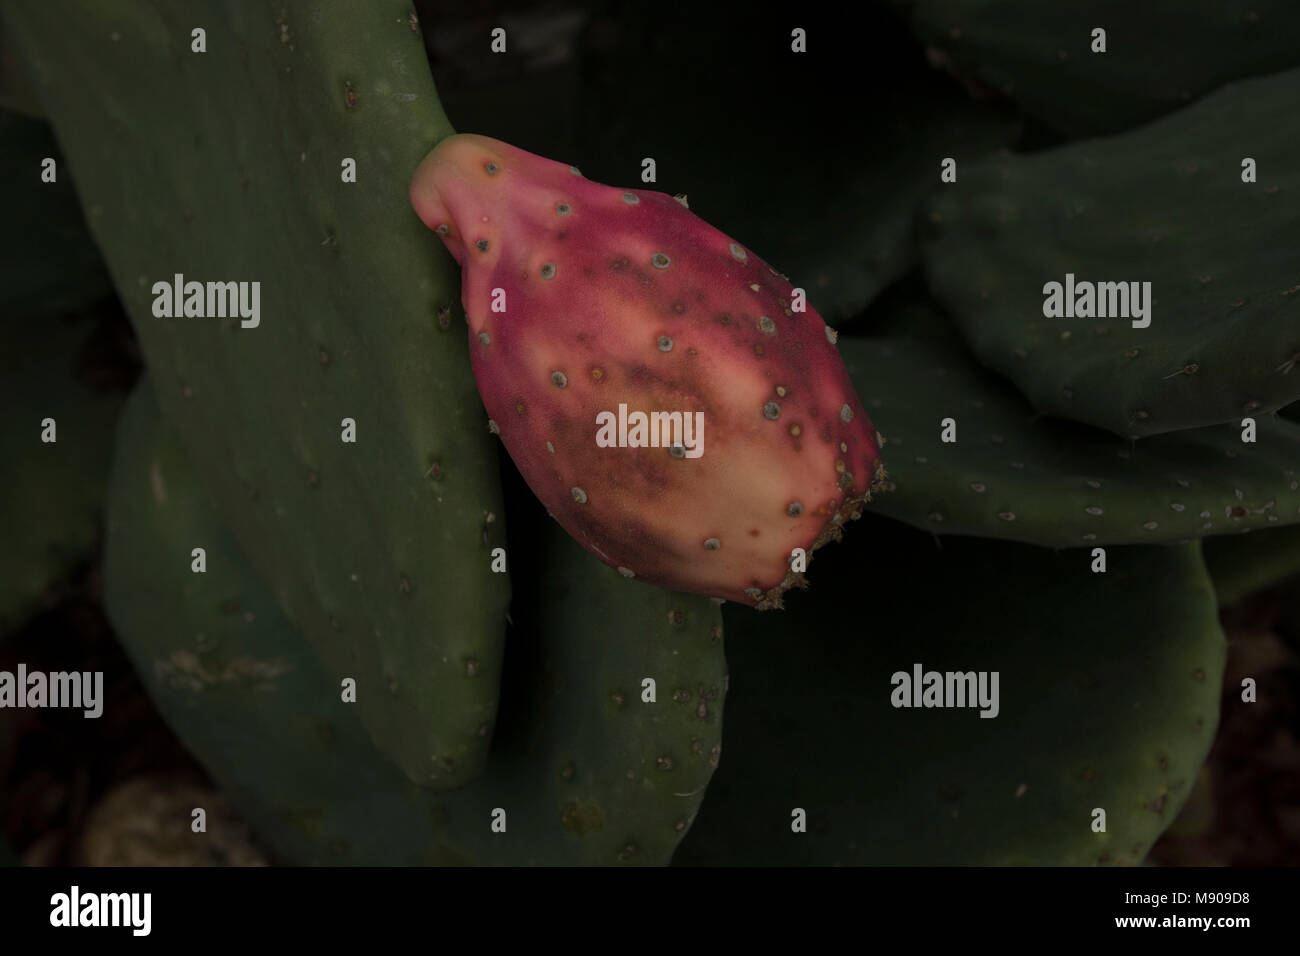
(581, 298)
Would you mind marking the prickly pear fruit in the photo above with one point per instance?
(659, 386)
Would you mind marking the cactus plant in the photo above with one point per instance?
(1003, 472)
(585, 769)
(379, 549)
(332, 460)
(1223, 339)
(1158, 54)
(811, 726)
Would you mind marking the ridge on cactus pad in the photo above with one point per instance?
(590, 305)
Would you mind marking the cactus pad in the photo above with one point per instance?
(1108, 698)
(1015, 475)
(226, 166)
(1224, 333)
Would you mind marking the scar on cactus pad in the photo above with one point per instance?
(586, 300)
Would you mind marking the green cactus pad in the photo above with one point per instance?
(47, 262)
(226, 166)
(626, 776)
(586, 772)
(1108, 698)
(1015, 475)
(1166, 205)
(52, 494)
(1243, 564)
(1160, 54)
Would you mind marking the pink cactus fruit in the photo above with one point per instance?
(582, 298)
